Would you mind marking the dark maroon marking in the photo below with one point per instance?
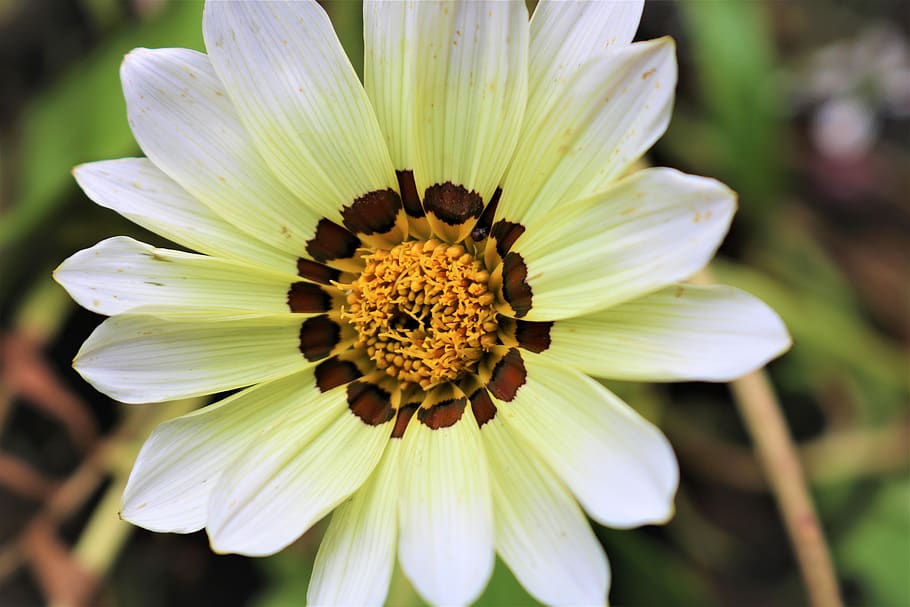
(373, 213)
(333, 372)
(482, 406)
(318, 335)
(443, 414)
(370, 403)
(452, 203)
(515, 287)
(508, 376)
(410, 199)
(404, 416)
(482, 228)
(331, 242)
(533, 336)
(308, 297)
(506, 233)
(316, 271)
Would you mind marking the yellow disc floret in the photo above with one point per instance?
(422, 311)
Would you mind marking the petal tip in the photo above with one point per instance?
(132, 57)
(81, 173)
(219, 542)
(129, 511)
(668, 42)
(777, 342)
(215, 546)
(93, 377)
(223, 543)
(667, 516)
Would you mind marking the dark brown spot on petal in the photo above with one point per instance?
(533, 336)
(451, 203)
(506, 233)
(482, 406)
(410, 199)
(515, 287)
(373, 213)
(331, 241)
(443, 414)
(318, 335)
(316, 271)
(370, 403)
(306, 297)
(334, 372)
(508, 376)
(404, 416)
(481, 229)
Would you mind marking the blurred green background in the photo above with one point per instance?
(802, 107)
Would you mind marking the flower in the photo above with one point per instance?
(411, 281)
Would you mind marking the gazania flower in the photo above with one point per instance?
(411, 282)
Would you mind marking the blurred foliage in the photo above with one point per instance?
(740, 102)
(876, 547)
(79, 118)
(289, 573)
(823, 240)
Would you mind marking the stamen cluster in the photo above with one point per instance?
(422, 311)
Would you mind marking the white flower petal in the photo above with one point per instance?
(298, 95)
(446, 542)
(141, 192)
(651, 229)
(681, 333)
(297, 471)
(564, 36)
(609, 113)
(120, 274)
(389, 73)
(169, 486)
(541, 533)
(355, 560)
(619, 466)
(471, 92)
(137, 359)
(185, 123)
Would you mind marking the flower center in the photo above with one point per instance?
(422, 311)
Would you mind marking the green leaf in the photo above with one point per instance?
(877, 550)
(347, 17)
(288, 575)
(646, 572)
(734, 58)
(82, 117)
(504, 589)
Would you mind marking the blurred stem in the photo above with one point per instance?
(760, 409)
(105, 533)
(777, 454)
(44, 310)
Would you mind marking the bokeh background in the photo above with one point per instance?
(802, 107)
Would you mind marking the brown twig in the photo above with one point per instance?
(23, 480)
(27, 373)
(777, 454)
(760, 410)
(60, 576)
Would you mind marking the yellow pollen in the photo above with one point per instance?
(422, 311)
